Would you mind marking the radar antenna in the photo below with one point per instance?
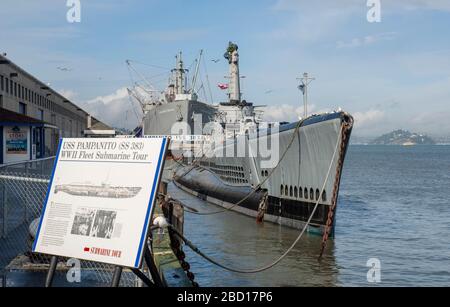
(303, 87)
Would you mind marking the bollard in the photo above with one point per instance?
(163, 187)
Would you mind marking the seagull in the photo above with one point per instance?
(216, 60)
(63, 68)
(268, 92)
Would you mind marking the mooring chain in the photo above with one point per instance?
(165, 200)
(176, 246)
(332, 210)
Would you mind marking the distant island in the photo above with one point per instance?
(403, 137)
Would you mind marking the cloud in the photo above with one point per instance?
(115, 109)
(367, 119)
(367, 40)
(69, 94)
(287, 112)
(283, 112)
(117, 95)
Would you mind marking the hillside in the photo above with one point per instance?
(403, 137)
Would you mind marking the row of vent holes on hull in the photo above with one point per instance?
(302, 193)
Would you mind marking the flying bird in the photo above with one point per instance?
(268, 92)
(63, 68)
(216, 60)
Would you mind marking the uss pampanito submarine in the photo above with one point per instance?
(308, 163)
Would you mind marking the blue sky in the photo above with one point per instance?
(392, 74)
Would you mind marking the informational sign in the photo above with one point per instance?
(16, 141)
(100, 199)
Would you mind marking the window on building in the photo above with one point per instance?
(324, 196)
(6, 85)
(1, 83)
(22, 108)
(63, 127)
(1, 101)
(15, 89)
(11, 87)
(41, 114)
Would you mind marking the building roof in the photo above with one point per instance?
(99, 126)
(99, 129)
(10, 117)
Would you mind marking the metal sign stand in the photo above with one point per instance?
(51, 272)
(157, 282)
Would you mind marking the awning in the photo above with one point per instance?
(10, 118)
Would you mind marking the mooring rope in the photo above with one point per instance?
(272, 264)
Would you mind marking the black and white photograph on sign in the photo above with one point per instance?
(103, 224)
(82, 222)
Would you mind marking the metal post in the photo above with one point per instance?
(116, 277)
(5, 211)
(51, 272)
(306, 80)
(143, 278)
(305, 97)
(152, 268)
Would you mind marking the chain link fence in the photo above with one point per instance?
(23, 188)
